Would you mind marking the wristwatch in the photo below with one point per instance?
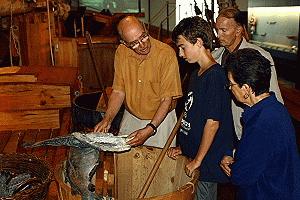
(153, 127)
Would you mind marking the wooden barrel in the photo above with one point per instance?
(169, 183)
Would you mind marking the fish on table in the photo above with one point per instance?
(83, 158)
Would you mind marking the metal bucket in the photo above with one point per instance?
(85, 115)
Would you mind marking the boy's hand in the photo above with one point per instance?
(174, 152)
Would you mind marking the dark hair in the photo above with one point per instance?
(248, 66)
(192, 28)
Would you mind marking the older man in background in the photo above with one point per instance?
(232, 36)
(147, 80)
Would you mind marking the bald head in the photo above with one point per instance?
(129, 27)
(134, 35)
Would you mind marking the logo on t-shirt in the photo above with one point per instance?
(189, 101)
(185, 125)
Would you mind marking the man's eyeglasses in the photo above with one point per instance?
(135, 44)
(229, 85)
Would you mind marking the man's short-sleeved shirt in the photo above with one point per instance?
(206, 99)
(146, 82)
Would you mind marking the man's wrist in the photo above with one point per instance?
(153, 127)
(108, 118)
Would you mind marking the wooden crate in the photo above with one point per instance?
(169, 183)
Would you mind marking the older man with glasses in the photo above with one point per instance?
(147, 81)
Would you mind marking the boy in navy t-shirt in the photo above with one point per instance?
(206, 131)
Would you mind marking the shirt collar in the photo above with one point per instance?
(238, 46)
(250, 112)
(226, 51)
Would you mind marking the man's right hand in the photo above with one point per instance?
(102, 126)
(115, 101)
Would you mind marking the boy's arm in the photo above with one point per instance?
(209, 132)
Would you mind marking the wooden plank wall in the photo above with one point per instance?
(65, 52)
(36, 46)
(29, 96)
(17, 78)
(57, 75)
(105, 53)
(31, 105)
(29, 119)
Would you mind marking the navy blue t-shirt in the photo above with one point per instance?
(207, 98)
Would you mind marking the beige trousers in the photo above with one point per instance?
(130, 123)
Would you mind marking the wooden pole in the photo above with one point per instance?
(168, 18)
(159, 159)
(49, 33)
(95, 64)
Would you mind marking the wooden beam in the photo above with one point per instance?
(14, 97)
(36, 119)
(9, 70)
(48, 75)
(17, 78)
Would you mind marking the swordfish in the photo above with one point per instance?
(83, 158)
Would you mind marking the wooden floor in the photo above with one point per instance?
(11, 141)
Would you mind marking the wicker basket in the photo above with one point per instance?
(25, 163)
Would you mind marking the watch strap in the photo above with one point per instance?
(153, 127)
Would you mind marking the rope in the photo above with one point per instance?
(13, 38)
(192, 184)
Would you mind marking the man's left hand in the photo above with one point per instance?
(140, 136)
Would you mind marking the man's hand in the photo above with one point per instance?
(191, 166)
(115, 101)
(174, 152)
(140, 136)
(225, 162)
(102, 126)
